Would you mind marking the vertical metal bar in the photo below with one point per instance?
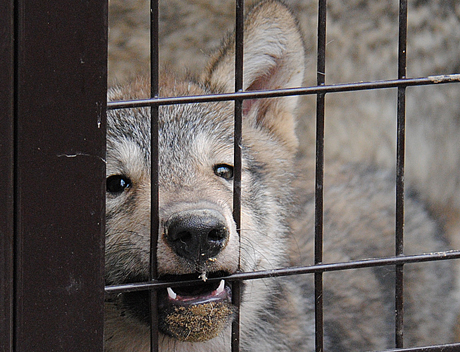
(400, 153)
(236, 286)
(319, 182)
(60, 103)
(16, 137)
(7, 167)
(155, 221)
(154, 48)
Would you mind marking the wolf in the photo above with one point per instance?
(198, 237)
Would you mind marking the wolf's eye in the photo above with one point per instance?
(117, 183)
(224, 171)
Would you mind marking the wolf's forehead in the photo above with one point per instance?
(193, 134)
(182, 123)
(187, 134)
(176, 122)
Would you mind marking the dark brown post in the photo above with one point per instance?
(59, 174)
(6, 167)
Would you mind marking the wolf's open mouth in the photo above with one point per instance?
(203, 292)
(195, 312)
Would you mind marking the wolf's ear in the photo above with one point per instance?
(274, 57)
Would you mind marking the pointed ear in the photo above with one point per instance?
(274, 57)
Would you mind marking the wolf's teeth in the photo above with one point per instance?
(171, 293)
(221, 287)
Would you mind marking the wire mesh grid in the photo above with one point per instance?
(320, 90)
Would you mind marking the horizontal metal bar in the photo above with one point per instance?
(365, 263)
(454, 347)
(335, 88)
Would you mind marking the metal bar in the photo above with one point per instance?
(335, 88)
(155, 199)
(60, 174)
(236, 286)
(455, 347)
(330, 267)
(7, 166)
(319, 178)
(154, 48)
(400, 153)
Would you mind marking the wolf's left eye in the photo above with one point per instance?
(224, 171)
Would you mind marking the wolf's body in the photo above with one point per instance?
(195, 180)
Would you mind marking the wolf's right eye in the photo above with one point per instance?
(117, 183)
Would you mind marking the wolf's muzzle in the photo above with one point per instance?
(196, 235)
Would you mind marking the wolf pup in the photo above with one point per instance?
(198, 236)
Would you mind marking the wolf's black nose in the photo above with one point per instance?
(197, 235)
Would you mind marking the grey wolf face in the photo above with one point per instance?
(197, 235)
